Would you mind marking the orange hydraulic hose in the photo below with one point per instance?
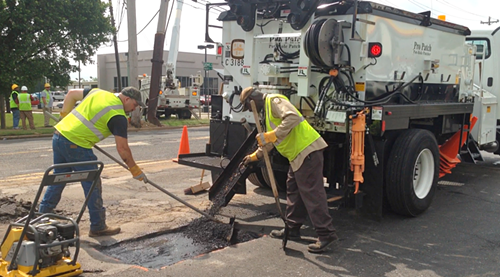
(358, 148)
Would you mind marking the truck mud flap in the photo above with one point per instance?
(370, 200)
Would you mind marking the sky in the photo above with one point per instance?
(469, 13)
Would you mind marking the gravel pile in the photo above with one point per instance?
(11, 209)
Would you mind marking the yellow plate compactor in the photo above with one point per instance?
(39, 244)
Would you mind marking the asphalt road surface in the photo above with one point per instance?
(25, 156)
(458, 236)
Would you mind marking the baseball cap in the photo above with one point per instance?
(134, 94)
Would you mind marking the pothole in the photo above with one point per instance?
(155, 251)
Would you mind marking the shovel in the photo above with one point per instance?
(232, 233)
(271, 175)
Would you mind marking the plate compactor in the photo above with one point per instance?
(39, 244)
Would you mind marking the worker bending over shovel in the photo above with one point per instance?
(99, 115)
(296, 140)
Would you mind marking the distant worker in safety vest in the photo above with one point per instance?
(46, 104)
(100, 114)
(297, 141)
(25, 108)
(14, 106)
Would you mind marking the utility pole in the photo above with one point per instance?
(132, 55)
(117, 56)
(489, 22)
(157, 62)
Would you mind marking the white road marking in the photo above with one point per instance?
(383, 254)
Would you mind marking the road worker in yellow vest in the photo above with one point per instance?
(14, 106)
(25, 108)
(296, 140)
(100, 114)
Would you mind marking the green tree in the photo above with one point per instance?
(40, 37)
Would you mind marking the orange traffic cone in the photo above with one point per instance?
(184, 145)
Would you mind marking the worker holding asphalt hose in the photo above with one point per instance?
(99, 115)
(296, 140)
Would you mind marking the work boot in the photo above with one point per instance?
(294, 234)
(108, 231)
(320, 245)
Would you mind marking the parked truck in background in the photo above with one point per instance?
(407, 78)
(486, 75)
(179, 101)
(172, 99)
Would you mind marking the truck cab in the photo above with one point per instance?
(486, 80)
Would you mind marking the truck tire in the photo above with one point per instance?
(412, 172)
(498, 140)
(280, 177)
(168, 115)
(254, 179)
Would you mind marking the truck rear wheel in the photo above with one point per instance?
(280, 177)
(412, 172)
(498, 140)
(254, 179)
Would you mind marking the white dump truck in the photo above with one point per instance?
(393, 89)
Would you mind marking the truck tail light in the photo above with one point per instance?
(374, 49)
(161, 92)
(194, 93)
(219, 49)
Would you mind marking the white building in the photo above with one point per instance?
(187, 64)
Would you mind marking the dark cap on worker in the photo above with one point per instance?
(246, 93)
(134, 94)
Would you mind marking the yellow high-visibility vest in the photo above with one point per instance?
(87, 124)
(24, 101)
(299, 137)
(13, 104)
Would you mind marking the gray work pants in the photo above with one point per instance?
(46, 116)
(306, 196)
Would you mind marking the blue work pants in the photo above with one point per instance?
(16, 115)
(67, 152)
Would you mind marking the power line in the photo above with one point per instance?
(121, 15)
(461, 9)
(217, 8)
(168, 17)
(144, 26)
(435, 10)
(149, 22)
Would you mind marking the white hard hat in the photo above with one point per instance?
(24, 88)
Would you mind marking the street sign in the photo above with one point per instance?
(207, 66)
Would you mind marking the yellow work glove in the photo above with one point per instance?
(138, 174)
(62, 114)
(250, 158)
(265, 138)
